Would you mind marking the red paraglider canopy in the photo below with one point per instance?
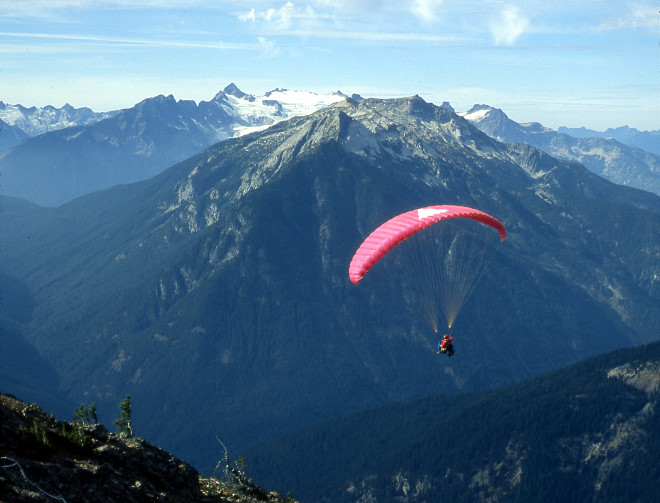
(401, 227)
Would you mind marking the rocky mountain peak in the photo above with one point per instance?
(276, 90)
(381, 130)
(447, 105)
(481, 112)
(161, 99)
(233, 90)
(478, 111)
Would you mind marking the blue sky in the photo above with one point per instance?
(593, 63)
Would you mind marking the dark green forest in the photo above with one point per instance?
(530, 442)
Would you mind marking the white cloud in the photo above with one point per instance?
(509, 26)
(250, 16)
(280, 19)
(268, 46)
(361, 20)
(425, 9)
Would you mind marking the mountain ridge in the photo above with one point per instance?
(646, 140)
(160, 131)
(34, 121)
(138, 142)
(609, 158)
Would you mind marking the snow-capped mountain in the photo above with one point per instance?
(253, 113)
(139, 142)
(95, 151)
(34, 121)
(607, 157)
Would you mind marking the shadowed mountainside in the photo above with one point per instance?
(589, 432)
(217, 293)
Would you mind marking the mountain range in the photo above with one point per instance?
(646, 140)
(605, 156)
(216, 292)
(70, 152)
(102, 150)
(589, 432)
(34, 121)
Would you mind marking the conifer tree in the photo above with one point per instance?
(124, 422)
(85, 414)
(92, 413)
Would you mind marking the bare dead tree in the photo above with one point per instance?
(237, 476)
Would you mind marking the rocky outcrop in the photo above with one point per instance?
(43, 459)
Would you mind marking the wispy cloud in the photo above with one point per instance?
(21, 6)
(282, 18)
(361, 20)
(638, 16)
(509, 26)
(269, 49)
(380, 36)
(99, 40)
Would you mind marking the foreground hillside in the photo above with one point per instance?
(44, 459)
(590, 432)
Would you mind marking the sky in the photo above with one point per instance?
(593, 63)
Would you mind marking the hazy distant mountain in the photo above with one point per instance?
(216, 293)
(609, 158)
(646, 140)
(34, 121)
(139, 142)
(10, 135)
(589, 432)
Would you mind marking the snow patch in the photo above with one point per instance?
(263, 111)
(475, 116)
(34, 121)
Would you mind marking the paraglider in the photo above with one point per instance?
(447, 250)
(445, 345)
